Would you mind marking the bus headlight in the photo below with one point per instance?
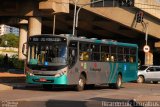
(30, 74)
(28, 71)
(60, 74)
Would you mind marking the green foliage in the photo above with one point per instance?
(19, 64)
(13, 62)
(1, 60)
(12, 40)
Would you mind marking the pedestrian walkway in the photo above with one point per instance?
(14, 79)
(7, 74)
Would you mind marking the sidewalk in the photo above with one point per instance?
(10, 79)
(14, 80)
(5, 87)
(7, 77)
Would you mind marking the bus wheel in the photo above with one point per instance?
(140, 79)
(118, 83)
(47, 86)
(81, 83)
(111, 85)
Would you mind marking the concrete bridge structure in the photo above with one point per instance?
(107, 21)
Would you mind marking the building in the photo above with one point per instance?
(5, 29)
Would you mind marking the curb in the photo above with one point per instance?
(12, 86)
(5, 87)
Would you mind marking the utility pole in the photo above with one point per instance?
(54, 24)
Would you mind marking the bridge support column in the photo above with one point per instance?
(35, 25)
(148, 58)
(22, 40)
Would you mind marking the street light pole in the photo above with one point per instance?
(54, 24)
(148, 58)
(75, 25)
(74, 18)
(146, 32)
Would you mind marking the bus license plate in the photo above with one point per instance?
(42, 80)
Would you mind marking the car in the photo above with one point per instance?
(148, 73)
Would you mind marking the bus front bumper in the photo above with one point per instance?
(62, 80)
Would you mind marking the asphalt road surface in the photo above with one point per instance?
(130, 95)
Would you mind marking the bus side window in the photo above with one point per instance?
(84, 51)
(84, 56)
(131, 59)
(105, 53)
(107, 58)
(126, 55)
(112, 58)
(72, 57)
(132, 55)
(125, 59)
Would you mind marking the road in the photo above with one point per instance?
(100, 96)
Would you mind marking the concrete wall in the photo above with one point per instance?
(150, 6)
(33, 7)
(126, 16)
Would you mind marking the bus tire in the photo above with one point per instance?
(111, 85)
(118, 83)
(81, 83)
(140, 79)
(47, 86)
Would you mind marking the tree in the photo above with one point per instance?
(12, 40)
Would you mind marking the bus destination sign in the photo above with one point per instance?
(46, 39)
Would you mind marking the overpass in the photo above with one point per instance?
(36, 17)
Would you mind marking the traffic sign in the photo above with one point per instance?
(146, 48)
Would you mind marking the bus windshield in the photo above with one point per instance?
(51, 54)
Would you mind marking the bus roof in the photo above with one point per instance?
(93, 40)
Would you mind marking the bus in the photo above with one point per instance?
(78, 61)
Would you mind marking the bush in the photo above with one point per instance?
(16, 63)
(1, 61)
(13, 62)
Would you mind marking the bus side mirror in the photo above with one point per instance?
(24, 49)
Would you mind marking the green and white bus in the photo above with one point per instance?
(78, 61)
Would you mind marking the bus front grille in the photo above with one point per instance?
(45, 74)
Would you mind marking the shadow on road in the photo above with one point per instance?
(60, 88)
(93, 102)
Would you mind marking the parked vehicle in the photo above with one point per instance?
(148, 73)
